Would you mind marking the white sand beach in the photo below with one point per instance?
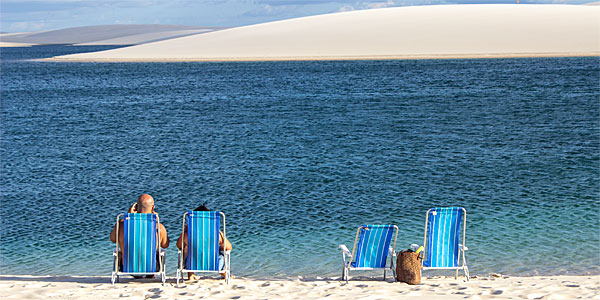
(81, 287)
(7, 44)
(439, 31)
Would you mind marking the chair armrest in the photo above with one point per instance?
(227, 252)
(345, 249)
(115, 252)
(392, 252)
(464, 248)
(162, 252)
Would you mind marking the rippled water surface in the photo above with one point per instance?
(298, 154)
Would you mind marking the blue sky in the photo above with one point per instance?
(35, 15)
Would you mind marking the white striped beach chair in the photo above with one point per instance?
(372, 246)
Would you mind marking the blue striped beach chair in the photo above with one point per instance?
(372, 246)
(140, 238)
(444, 246)
(203, 245)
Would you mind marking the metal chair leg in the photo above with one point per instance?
(345, 274)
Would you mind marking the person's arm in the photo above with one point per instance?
(224, 245)
(182, 240)
(164, 238)
(133, 208)
(113, 234)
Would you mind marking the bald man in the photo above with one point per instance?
(144, 205)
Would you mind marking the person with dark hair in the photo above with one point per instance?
(202, 208)
(224, 244)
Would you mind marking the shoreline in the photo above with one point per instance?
(502, 287)
(328, 58)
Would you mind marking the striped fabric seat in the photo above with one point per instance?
(371, 249)
(139, 243)
(203, 241)
(373, 246)
(443, 240)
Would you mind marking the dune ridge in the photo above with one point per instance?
(440, 31)
(120, 34)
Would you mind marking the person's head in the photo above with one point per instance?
(202, 208)
(145, 204)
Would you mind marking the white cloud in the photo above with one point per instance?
(346, 8)
(25, 26)
(389, 3)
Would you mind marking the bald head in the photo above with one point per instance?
(145, 204)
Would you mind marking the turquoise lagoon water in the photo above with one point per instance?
(298, 154)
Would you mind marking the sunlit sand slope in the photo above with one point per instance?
(489, 30)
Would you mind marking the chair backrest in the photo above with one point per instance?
(442, 236)
(139, 242)
(373, 245)
(203, 240)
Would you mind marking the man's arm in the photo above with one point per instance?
(182, 240)
(113, 233)
(164, 238)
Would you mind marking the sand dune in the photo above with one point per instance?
(6, 44)
(146, 37)
(104, 34)
(68, 287)
(488, 30)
